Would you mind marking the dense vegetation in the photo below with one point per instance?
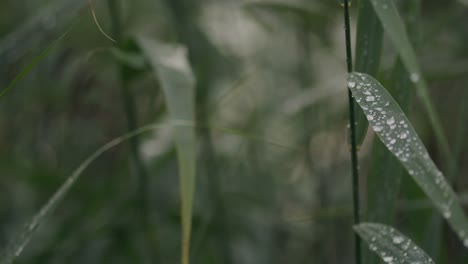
(203, 131)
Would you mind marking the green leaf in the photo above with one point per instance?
(171, 66)
(395, 28)
(391, 245)
(397, 134)
(369, 37)
(385, 171)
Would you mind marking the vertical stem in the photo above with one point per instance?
(354, 158)
(129, 105)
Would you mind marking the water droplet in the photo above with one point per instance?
(378, 128)
(370, 98)
(391, 121)
(414, 77)
(465, 242)
(370, 117)
(351, 84)
(397, 239)
(388, 259)
(447, 214)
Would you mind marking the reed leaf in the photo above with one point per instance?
(171, 66)
(398, 135)
(369, 37)
(392, 246)
(394, 26)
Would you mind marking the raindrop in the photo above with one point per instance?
(388, 259)
(397, 239)
(414, 77)
(370, 98)
(378, 128)
(465, 242)
(391, 121)
(351, 84)
(447, 214)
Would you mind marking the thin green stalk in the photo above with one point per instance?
(352, 121)
(130, 112)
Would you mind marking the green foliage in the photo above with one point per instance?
(395, 28)
(251, 96)
(391, 245)
(398, 135)
(171, 66)
(368, 52)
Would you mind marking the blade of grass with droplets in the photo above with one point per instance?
(171, 66)
(392, 246)
(397, 134)
(394, 26)
(369, 38)
(385, 171)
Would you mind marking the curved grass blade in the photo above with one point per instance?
(369, 37)
(93, 14)
(21, 240)
(171, 66)
(397, 134)
(394, 26)
(31, 65)
(17, 245)
(385, 171)
(391, 245)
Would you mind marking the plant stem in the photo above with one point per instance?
(354, 158)
(129, 105)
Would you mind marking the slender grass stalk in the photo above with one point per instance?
(352, 121)
(130, 112)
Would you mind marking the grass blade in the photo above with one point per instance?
(395, 28)
(369, 37)
(385, 171)
(397, 134)
(391, 245)
(171, 66)
(21, 240)
(32, 64)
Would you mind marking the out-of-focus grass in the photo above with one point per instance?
(255, 202)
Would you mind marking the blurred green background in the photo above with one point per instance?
(278, 190)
